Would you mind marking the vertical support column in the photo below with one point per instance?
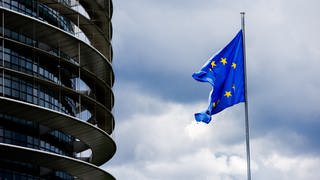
(79, 68)
(94, 93)
(59, 78)
(2, 14)
(78, 20)
(36, 90)
(78, 81)
(35, 60)
(37, 6)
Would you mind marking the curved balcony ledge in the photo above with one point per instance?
(105, 119)
(102, 145)
(80, 169)
(90, 58)
(97, 30)
(85, 74)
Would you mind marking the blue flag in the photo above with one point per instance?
(225, 72)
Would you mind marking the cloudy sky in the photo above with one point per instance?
(159, 44)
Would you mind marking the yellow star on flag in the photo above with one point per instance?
(234, 65)
(213, 64)
(228, 94)
(224, 61)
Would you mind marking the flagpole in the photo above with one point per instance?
(246, 98)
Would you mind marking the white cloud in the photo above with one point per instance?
(286, 167)
(196, 131)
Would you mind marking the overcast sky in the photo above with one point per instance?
(158, 44)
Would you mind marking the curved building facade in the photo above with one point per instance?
(56, 94)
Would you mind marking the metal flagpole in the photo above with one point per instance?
(246, 98)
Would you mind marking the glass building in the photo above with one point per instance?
(56, 94)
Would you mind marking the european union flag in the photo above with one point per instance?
(225, 72)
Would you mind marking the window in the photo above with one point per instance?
(29, 65)
(1, 85)
(7, 134)
(15, 35)
(7, 57)
(7, 91)
(15, 85)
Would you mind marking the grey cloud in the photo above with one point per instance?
(159, 44)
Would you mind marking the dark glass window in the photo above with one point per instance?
(45, 13)
(35, 93)
(10, 136)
